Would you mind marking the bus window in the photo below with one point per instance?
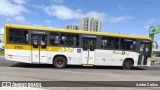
(92, 44)
(148, 49)
(18, 36)
(141, 48)
(109, 43)
(43, 39)
(69, 40)
(35, 41)
(26, 38)
(54, 38)
(89, 44)
(128, 44)
(85, 45)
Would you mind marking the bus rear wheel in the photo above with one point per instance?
(60, 62)
(127, 64)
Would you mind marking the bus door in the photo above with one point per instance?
(145, 53)
(89, 45)
(39, 45)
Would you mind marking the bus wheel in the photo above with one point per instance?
(127, 64)
(60, 62)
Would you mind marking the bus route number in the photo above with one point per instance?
(18, 47)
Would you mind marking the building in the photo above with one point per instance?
(90, 24)
(72, 26)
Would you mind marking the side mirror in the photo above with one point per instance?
(156, 44)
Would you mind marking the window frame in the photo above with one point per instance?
(8, 36)
(105, 38)
(50, 44)
(135, 46)
(78, 40)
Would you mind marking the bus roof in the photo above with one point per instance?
(75, 31)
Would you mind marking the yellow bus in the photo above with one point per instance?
(62, 47)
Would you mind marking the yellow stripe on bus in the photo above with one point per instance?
(48, 48)
(18, 47)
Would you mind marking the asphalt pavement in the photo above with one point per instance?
(15, 71)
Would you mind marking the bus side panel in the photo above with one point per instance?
(73, 57)
(114, 58)
(109, 58)
(103, 57)
(18, 55)
(122, 55)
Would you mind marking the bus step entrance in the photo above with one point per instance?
(88, 65)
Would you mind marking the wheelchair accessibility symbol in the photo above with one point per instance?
(78, 50)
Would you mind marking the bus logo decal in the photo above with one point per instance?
(123, 53)
(66, 49)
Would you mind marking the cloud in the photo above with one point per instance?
(47, 21)
(1, 30)
(119, 19)
(97, 15)
(13, 9)
(66, 13)
(19, 18)
(147, 26)
(152, 22)
(20, 2)
(58, 1)
(9, 8)
(8, 19)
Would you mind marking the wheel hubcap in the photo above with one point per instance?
(127, 64)
(60, 62)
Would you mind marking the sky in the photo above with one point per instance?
(118, 16)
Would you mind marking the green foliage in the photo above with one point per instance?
(1, 52)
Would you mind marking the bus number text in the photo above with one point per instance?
(18, 47)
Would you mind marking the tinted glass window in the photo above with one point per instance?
(54, 38)
(43, 39)
(89, 44)
(18, 36)
(110, 43)
(69, 39)
(128, 44)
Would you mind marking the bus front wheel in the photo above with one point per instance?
(127, 64)
(60, 62)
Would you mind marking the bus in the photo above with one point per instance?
(62, 47)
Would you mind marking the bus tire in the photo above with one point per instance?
(127, 64)
(60, 62)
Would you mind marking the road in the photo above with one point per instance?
(14, 71)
